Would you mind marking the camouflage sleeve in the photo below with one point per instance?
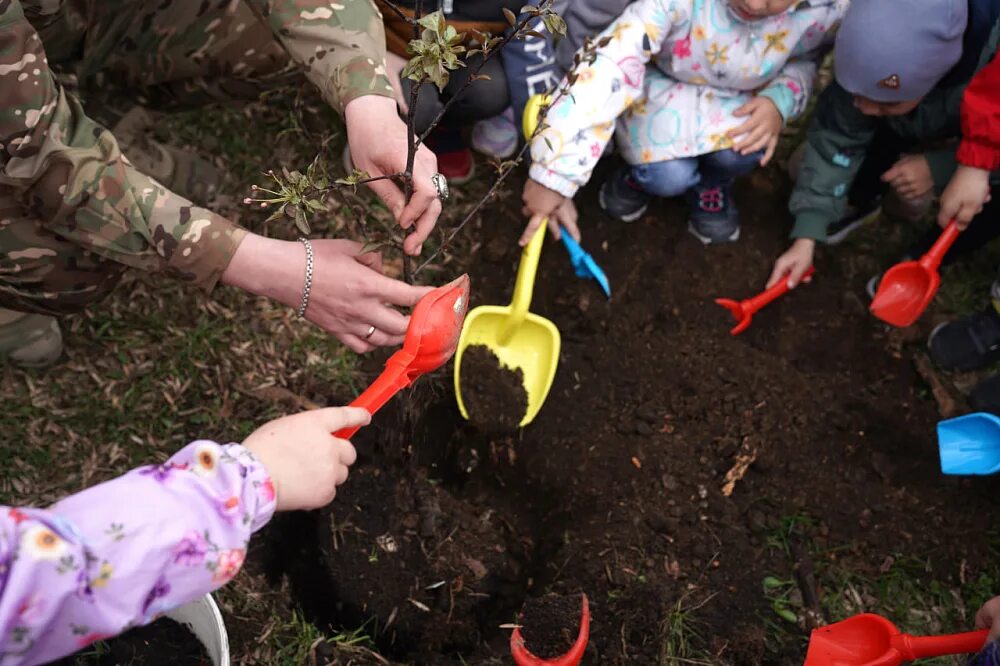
(69, 173)
(340, 44)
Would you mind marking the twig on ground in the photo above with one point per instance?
(805, 577)
(948, 401)
(280, 395)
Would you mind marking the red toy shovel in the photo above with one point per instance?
(523, 657)
(906, 289)
(743, 311)
(431, 339)
(872, 640)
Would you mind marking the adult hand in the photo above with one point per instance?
(988, 617)
(964, 197)
(910, 177)
(794, 263)
(762, 129)
(305, 461)
(349, 293)
(539, 203)
(378, 139)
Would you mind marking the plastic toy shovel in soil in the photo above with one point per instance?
(970, 444)
(523, 657)
(584, 264)
(518, 338)
(907, 288)
(872, 640)
(743, 311)
(431, 339)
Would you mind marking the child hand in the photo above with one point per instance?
(964, 197)
(760, 131)
(793, 263)
(988, 617)
(541, 202)
(910, 177)
(305, 461)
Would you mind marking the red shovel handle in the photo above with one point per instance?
(922, 647)
(932, 259)
(752, 305)
(523, 657)
(389, 383)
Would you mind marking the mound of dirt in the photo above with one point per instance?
(494, 395)
(669, 466)
(162, 643)
(550, 624)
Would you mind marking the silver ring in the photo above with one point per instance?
(371, 332)
(441, 185)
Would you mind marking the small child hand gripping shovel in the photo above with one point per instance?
(907, 289)
(970, 444)
(583, 263)
(431, 340)
(872, 640)
(743, 311)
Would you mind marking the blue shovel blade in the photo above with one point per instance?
(970, 444)
(584, 264)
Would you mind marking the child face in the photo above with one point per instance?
(755, 10)
(870, 107)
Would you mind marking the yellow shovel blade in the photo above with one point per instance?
(533, 347)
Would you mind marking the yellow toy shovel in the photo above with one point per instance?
(517, 337)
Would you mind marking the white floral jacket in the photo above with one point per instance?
(671, 76)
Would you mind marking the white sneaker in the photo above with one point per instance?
(29, 340)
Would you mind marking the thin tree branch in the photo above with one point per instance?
(489, 195)
(496, 186)
(411, 146)
(399, 12)
(514, 33)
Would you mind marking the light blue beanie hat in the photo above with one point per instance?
(898, 50)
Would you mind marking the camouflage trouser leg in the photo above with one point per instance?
(163, 55)
(179, 54)
(44, 273)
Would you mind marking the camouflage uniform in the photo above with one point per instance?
(74, 213)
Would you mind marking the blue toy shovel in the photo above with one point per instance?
(584, 264)
(970, 444)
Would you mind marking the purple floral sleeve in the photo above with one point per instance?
(121, 553)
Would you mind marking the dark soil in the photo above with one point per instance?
(162, 643)
(494, 396)
(619, 487)
(550, 624)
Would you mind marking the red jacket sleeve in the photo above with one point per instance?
(980, 145)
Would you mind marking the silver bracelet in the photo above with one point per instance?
(309, 277)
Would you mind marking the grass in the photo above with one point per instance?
(682, 635)
(905, 589)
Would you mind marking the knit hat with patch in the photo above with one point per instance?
(897, 50)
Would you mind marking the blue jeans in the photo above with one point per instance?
(671, 178)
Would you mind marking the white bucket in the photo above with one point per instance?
(203, 618)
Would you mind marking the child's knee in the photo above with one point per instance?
(731, 164)
(670, 178)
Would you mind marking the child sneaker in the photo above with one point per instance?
(29, 340)
(455, 161)
(622, 198)
(985, 397)
(854, 219)
(967, 343)
(713, 216)
(496, 136)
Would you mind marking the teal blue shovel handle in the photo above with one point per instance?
(583, 263)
